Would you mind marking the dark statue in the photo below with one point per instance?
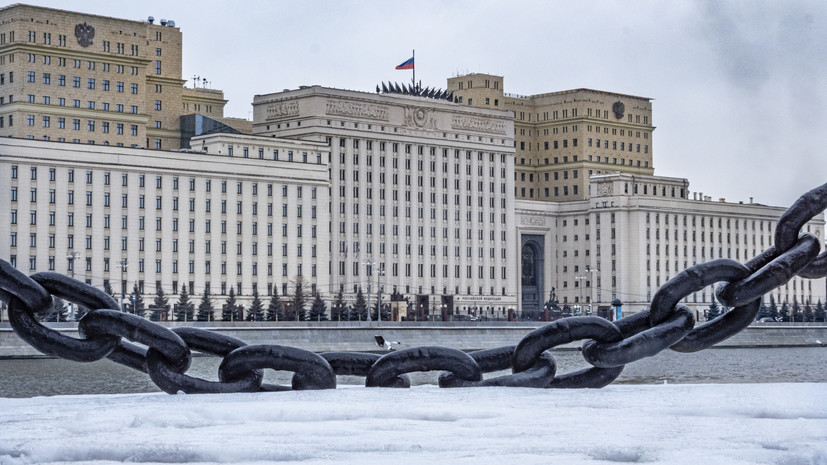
(529, 275)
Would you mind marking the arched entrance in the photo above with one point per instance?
(532, 253)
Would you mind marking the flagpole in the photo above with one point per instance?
(413, 68)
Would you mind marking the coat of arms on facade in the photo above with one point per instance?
(85, 33)
(419, 117)
(618, 108)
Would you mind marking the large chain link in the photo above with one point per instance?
(165, 354)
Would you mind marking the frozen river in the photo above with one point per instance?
(42, 377)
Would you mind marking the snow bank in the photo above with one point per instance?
(674, 424)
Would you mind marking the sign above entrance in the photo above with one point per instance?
(485, 299)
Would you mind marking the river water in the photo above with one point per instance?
(47, 377)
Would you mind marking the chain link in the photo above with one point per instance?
(165, 354)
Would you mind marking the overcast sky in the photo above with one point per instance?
(738, 87)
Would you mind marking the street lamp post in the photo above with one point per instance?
(122, 265)
(580, 278)
(591, 271)
(73, 255)
(371, 264)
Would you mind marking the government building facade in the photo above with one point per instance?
(97, 80)
(422, 196)
(241, 213)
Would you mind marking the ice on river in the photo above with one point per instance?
(655, 424)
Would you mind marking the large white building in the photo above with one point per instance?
(245, 214)
(632, 235)
(422, 192)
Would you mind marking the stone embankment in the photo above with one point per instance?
(356, 336)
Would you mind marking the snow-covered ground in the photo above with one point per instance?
(657, 424)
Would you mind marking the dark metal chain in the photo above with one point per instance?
(165, 354)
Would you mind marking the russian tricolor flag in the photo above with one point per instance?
(407, 65)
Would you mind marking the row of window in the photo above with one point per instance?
(107, 179)
(91, 125)
(409, 149)
(245, 153)
(106, 45)
(575, 190)
(92, 65)
(253, 267)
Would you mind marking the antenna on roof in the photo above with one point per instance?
(151, 20)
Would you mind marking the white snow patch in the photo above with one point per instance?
(783, 424)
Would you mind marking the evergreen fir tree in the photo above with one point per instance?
(108, 289)
(184, 308)
(795, 313)
(299, 308)
(205, 308)
(57, 311)
(275, 311)
(229, 310)
(256, 311)
(386, 311)
(318, 311)
(819, 312)
(763, 311)
(774, 314)
(137, 305)
(338, 311)
(808, 314)
(360, 308)
(159, 305)
(714, 311)
(784, 313)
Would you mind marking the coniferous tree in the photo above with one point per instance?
(763, 311)
(137, 305)
(108, 289)
(205, 308)
(159, 305)
(784, 313)
(275, 311)
(819, 312)
(229, 310)
(795, 311)
(714, 310)
(808, 314)
(298, 310)
(774, 313)
(256, 311)
(57, 311)
(386, 311)
(185, 310)
(318, 311)
(360, 308)
(337, 309)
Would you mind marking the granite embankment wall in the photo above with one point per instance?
(331, 336)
